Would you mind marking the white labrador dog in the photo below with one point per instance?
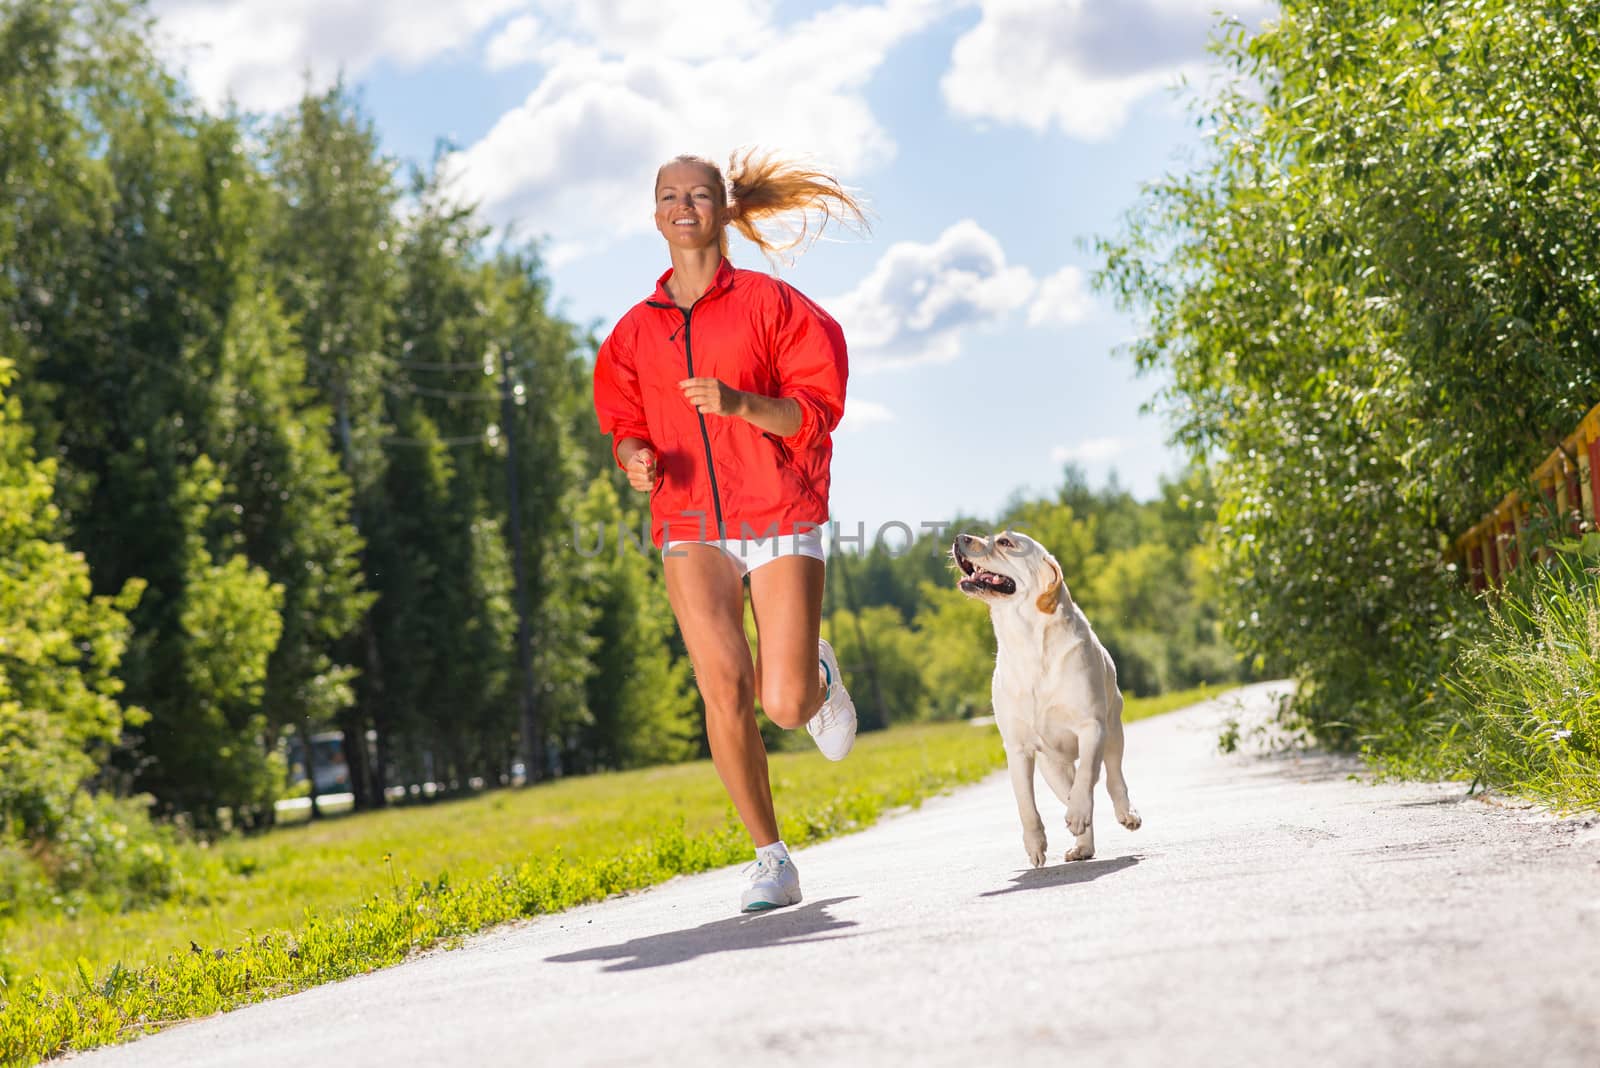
(1055, 687)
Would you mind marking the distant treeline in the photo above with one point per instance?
(1140, 570)
(264, 395)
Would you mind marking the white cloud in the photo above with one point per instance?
(863, 413)
(624, 84)
(628, 27)
(701, 30)
(516, 43)
(574, 162)
(918, 299)
(1079, 64)
(1061, 300)
(260, 52)
(1090, 451)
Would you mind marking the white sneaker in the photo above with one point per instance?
(774, 883)
(834, 726)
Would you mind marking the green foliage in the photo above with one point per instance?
(187, 307)
(292, 504)
(552, 412)
(1377, 306)
(1070, 533)
(59, 650)
(899, 657)
(1520, 709)
(1112, 518)
(105, 854)
(158, 366)
(438, 556)
(334, 228)
(230, 625)
(1142, 572)
(958, 649)
(641, 701)
(330, 231)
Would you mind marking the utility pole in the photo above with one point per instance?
(368, 794)
(532, 734)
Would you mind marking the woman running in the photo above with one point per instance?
(720, 392)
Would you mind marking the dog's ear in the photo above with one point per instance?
(1051, 597)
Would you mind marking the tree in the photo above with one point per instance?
(60, 646)
(213, 750)
(115, 312)
(1117, 520)
(268, 435)
(958, 651)
(549, 396)
(1377, 306)
(897, 655)
(331, 249)
(643, 707)
(445, 618)
(159, 368)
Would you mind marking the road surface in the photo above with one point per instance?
(1274, 909)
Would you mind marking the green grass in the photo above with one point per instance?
(264, 916)
(1519, 710)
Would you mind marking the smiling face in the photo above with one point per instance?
(1007, 566)
(691, 209)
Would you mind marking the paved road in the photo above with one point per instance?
(1273, 910)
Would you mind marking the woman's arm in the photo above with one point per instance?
(775, 415)
(616, 396)
(808, 349)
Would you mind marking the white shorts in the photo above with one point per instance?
(748, 554)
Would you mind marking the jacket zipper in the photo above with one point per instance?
(705, 436)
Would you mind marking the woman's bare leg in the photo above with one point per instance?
(707, 597)
(786, 596)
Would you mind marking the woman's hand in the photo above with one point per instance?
(775, 415)
(641, 469)
(710, 397)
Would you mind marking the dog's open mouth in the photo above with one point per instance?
(978, 580)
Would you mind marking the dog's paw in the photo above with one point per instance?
(1078, 852)
(1034, 843)
(1079, 817)
(1130, 819)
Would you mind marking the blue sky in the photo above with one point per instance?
(991, 138)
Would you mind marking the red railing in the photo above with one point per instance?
(1569, 481)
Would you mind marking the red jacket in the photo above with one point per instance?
(718, 472)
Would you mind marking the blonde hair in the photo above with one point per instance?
(761, 186)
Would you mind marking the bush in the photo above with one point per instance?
(22, 883)
(1529, 687)
(106, 852)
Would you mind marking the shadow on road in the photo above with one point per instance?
(1449, 799)
(1302, 765)
(808, 923)
(1078, 871)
